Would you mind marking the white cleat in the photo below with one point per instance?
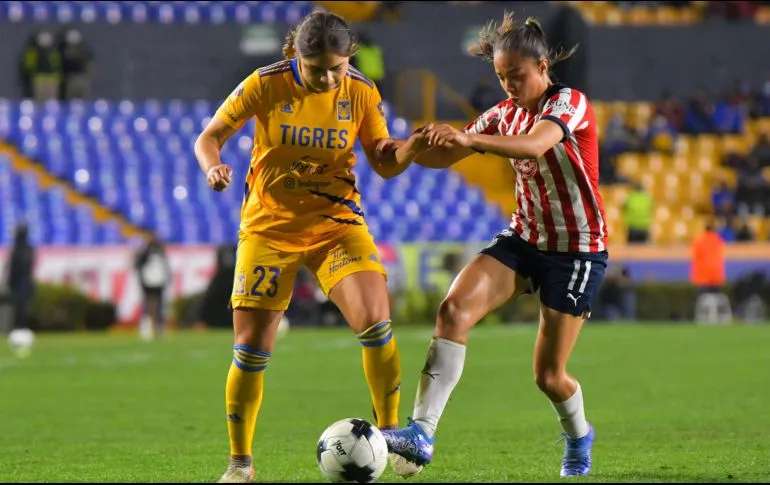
(403, 467)
(237, 474)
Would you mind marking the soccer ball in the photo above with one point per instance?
(20, 341)
(352, 450)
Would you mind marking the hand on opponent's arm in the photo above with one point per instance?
(543, 136)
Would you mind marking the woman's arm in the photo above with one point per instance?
(389, 157)
(208, 147)
(543, 136)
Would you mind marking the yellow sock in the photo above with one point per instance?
(382, 369)
(243, 396)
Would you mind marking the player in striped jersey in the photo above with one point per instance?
(556, 242)
(301, 207)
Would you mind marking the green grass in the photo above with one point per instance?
(670, 403)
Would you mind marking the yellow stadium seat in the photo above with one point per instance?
(681, 164)
(707, 162)
(629, 164)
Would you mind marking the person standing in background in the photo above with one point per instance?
(76, 65)
(21, 283)
(154, 275)
(637, 214)
(42, 67)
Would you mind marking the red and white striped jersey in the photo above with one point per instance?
(559, 205)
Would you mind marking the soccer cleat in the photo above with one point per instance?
(237, 474)
(410, 443)
(577, 455)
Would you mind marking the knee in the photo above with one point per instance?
(451, 316)
(549, 381)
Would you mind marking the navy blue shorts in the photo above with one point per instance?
(567, 281)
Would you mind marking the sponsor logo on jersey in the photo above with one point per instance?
(344, 113)
(561, 107)
(286, 108)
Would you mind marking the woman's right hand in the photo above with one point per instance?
(219, 176)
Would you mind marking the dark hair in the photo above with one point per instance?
(527, 38)
(320, 32)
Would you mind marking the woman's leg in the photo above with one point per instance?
(556, 337)
(255, 332)
(482, 286)
(362, 297)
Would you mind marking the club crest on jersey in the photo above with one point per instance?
(286, 108)
(344, 113)
(527, 168)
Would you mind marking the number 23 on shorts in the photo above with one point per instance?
(262, 273)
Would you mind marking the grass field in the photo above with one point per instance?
(669, 403)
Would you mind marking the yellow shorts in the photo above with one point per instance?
(265, 274)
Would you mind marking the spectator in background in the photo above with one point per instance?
(154, 276)
(723, 200)
(76, 65)
(729, 115)
(637, 214)
(761, 104)
(369, 60)
(725, 229)
(619, 137)
(42, 66)
(744, 232)
(752, 189)
(761, 150)
(660, 135)
(698, 117)
(672, 109)
(21, 283)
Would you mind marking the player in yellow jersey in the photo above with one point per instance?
(301, 207)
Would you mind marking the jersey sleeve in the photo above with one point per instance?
(566, 108)
(243, 102)
(374, 126)
(488, 122)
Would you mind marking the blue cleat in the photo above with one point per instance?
(577, 455)
(411, 443)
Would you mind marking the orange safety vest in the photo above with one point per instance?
(708, 260)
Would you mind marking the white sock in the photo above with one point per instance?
(571, 414)
(442, 371)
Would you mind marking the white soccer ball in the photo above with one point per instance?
(352, 450)
(21, 340)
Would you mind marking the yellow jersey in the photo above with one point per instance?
(300, 188)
